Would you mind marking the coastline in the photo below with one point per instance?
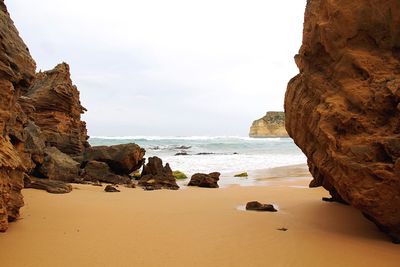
(196, 227)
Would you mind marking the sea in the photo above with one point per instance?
(225, 154)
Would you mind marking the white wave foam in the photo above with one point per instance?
(153, 138)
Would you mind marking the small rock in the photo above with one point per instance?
(110, 188)
(205, 180)
(257, 206)
(282, 229)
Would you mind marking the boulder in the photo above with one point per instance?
(51, 186)
(343, 108)
(17, 71)
(111, 189)
(156, 176)
(100, 171)
(205, 180)
(257, 206)
(34, 143)
(58, 166)
(122, 159)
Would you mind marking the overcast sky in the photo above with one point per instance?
(176, 67)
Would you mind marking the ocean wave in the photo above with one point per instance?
(191, 138)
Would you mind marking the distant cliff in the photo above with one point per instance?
(271, 125)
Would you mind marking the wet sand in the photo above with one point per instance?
(194, 227)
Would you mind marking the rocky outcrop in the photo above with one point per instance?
(17, 70)
(51, 186)
(100, 171)
(271, 125)
(122, 159)
(58, 166)
(156, 176)
(343, 108)
(52, 102)
(205, 180)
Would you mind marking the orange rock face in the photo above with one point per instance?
(53, 104)
(343, 108)
(17, 70)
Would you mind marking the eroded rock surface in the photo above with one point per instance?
(52, 102)
(58, 166)
(17, 70)
(343, 108)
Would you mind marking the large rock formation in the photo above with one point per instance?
(122, 159)
(343, 108)
(17, 70)
(53, 104)
(271, 125)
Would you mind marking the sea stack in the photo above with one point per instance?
(271, 125)
(343, 108)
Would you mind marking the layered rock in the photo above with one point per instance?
(17, 70)
(52, 102)
(343, 108)
(271, 125)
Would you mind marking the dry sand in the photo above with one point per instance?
(193, 227)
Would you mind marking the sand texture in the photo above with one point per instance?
(193, 227)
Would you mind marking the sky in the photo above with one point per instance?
(168, 68)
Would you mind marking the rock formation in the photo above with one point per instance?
(205, 180)
(17, 70)
(271, 125)
(122, 159)
(52, 102)
(99, 171)
(156, 176)
(343, 108)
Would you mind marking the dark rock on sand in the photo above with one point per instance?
(205, 180)
(342, 109)
(257, 206)
(51, 186)
(111, 189)
(100, 171)
(122, 159)
(155, 176)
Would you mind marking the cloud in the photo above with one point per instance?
(168, 67)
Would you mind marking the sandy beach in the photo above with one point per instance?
(194, 227)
